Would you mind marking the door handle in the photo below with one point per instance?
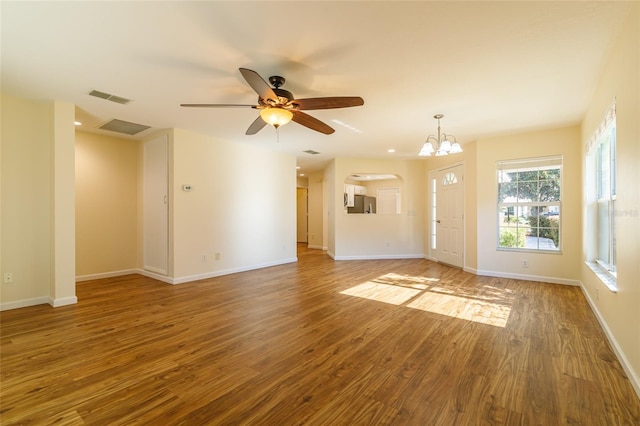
(438, 221)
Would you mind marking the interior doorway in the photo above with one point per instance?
(155, 205)
(302, 208)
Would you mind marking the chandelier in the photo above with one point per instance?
(443, 143)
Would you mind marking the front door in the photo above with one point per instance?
(450, 215)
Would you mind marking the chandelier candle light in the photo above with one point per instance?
(443, 144)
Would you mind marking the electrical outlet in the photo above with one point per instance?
(203, 258)
(598, 294)
(217, 256)
(8, 277)
(525, 263)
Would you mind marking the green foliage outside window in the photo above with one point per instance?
(547, 228)
(512, 237)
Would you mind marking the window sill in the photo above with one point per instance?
(525, 250)
(605, 276)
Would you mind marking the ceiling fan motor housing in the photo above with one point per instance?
(277, 82)
(284, 94)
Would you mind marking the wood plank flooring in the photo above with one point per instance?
(318, 342)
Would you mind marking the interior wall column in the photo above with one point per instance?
(63, 284)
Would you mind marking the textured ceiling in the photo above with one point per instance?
(489, 67)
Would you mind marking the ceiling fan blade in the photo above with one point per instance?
(329, 102)
(256, 126)
(311, 122)
(258, 84)
(217, 105)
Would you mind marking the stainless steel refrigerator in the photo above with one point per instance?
(363, 204)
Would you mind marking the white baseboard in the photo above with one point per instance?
(63, 301)
(379, 257)
(181, 280)
(537, 278)
(634, 378)
(155, 276)
(473, 271)
(99, 276)
(24, 303)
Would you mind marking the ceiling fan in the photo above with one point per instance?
(278, 106)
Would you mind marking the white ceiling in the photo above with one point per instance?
(489, 67)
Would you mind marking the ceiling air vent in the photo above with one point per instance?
(312, 152)
(124, 127)
(110, 97)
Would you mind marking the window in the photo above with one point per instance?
(601, 199)
(449, 179)
(434, 222)
(529, 202)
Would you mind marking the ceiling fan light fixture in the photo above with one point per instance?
(276, 116)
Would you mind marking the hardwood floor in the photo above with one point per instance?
(317, 342)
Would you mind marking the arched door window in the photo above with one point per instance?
(449, 178)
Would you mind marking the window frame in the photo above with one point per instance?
(527, 165)
(601, 189)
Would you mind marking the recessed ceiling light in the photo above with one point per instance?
(77, 123)
(391, 150)
(297, 167)
(301, 174)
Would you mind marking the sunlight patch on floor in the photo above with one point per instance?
(421, 283)
(395, 295)
(486, 305)
(463, 308)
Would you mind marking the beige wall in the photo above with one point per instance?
(107, 174)
(62, 289)
(620, 312)
(26, 199)
(36, 244)
(242, 206)
(562, 268)
(245, 214)
(379, 236)
(333, 190)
